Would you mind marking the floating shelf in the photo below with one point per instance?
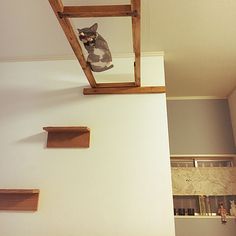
(68, 137)
(19, 199)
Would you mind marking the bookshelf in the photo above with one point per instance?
(202, 205)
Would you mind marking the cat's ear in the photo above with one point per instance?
(94, 27)
(79, 30)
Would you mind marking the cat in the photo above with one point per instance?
(99, 56)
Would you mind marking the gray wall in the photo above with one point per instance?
(204, 227)
(232, 107)
(200, 127)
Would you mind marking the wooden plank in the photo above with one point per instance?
(19, 191)
(65, 129)
(68, 137)
(18, 200)
(58, 7)
(126, 90)
(97, 11)
(115, 85)
(136, 25)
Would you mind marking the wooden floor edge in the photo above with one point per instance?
(125, 90)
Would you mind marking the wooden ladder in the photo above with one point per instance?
(64, 13)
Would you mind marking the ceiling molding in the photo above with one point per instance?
(195, 98)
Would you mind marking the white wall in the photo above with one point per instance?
(121, 185)
(232, 105)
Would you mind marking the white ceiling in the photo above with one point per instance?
(197, 37)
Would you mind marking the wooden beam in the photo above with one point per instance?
(58, 7)
(136, 25)
(127, 90)
(97, 11)
(115, 85)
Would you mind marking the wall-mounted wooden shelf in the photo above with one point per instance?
(68, 137)
(19, 199)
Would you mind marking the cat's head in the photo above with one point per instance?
(87, 35)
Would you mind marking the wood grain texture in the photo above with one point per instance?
(136, 29)
(126, 90)
(115, 85)
(58, 7)
(97, 11)
(19, 200)
(20, 191)
(79, 129)
(68, 137)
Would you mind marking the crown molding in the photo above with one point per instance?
(169, 98)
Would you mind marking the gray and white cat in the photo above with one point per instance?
(99, 55)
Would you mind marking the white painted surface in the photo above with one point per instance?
(121, 185)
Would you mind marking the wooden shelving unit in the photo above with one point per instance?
(68, 137)
(19, 199)
(201, 205)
